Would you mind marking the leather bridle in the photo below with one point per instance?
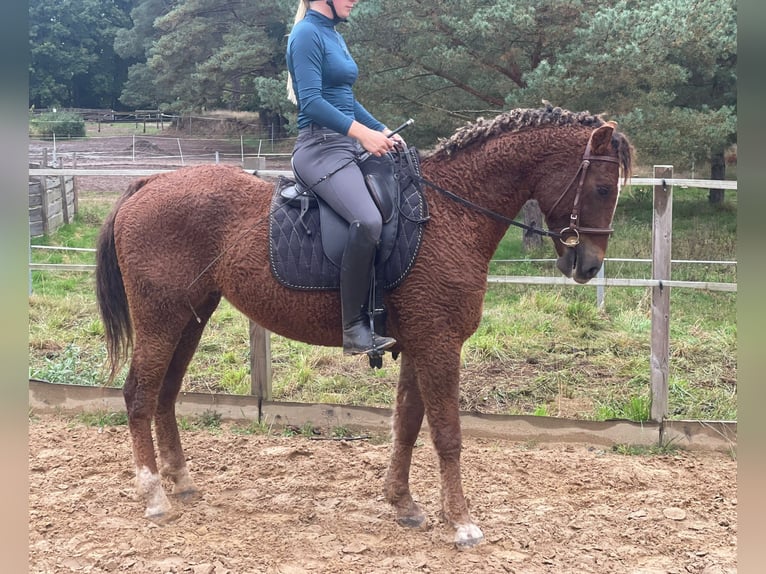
(570, 235)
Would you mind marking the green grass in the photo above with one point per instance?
(253, 428)
(635, 408)
(103, 418)
(208, 420)
(641, 450)
(538, 350)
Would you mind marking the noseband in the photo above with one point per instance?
(570, 236)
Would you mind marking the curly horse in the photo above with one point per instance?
(175, 243)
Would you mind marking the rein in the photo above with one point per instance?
(569, 236)
(488, 212)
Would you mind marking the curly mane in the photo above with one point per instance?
(521, 118)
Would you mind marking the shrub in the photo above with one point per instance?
(63, 124)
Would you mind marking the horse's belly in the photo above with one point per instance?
(310, 317)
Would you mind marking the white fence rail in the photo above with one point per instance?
(634, 181)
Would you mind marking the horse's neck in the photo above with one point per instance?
(495, 181)
(499, 173)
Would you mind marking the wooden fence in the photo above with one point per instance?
(661, 283)
(52, 202)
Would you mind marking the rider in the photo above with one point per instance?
(333, 129)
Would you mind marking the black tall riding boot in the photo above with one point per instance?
(355, 271)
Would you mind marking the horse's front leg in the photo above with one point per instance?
(438, 378)
(408, 417)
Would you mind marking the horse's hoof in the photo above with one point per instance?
(188, 495)
(161, 518)
(468, 536)
(410, 516)
(411, 520)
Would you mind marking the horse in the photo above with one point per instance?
(176, 242)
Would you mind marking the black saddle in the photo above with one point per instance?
(307, 237)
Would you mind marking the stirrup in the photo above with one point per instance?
(380, 343)
(359, 339)
(378, 346)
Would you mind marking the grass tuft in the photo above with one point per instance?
(103, 418)
(644, 450)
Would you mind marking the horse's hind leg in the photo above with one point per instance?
(408, 417)
(172, 460)
(149, 362)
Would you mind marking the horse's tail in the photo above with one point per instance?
(110, 290)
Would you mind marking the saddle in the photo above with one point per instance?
(307, 238)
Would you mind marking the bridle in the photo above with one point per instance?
(570, 235)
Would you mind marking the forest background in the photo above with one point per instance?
(665, 70)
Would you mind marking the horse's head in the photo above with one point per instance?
(582, 208)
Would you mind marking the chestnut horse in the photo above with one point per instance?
(177, 242)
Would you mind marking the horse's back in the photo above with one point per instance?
(200, 190)
(179, 222)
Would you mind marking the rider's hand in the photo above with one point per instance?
(375, 142)
(398, 140)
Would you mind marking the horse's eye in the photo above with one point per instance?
(603, 190)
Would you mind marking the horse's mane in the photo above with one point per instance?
(521, 118)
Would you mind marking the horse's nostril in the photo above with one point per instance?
(593, 271)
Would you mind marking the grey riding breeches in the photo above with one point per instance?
(321, 151)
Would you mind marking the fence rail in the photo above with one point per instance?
(634, 181)
(510, 279)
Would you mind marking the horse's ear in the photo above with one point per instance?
(601, 139)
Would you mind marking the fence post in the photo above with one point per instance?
(260, 362)
(64, 203)
(44, 194)
(662, 235)
(600, 288)
(533, 217)
(44, 205)
(75, 195)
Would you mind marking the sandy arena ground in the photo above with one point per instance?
(273, 504)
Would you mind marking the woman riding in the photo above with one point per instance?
(333, 130)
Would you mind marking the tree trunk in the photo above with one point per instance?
(534, 217)
(717, 171)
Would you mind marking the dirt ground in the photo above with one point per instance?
(272, 504)
(116, 147)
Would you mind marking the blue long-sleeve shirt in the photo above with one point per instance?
(323, 74)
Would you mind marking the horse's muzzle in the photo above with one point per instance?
(579, 263)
